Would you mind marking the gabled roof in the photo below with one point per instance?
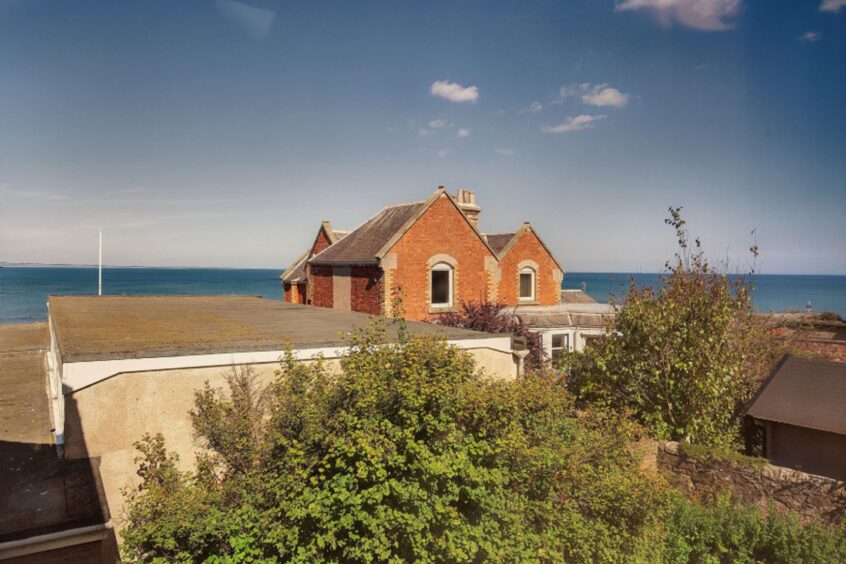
(296, 272)
(362, 245)
(498, 241)
(525, 228)
(804, 393)
(369, 242)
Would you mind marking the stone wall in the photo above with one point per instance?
(813, 497)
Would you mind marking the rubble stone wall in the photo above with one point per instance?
(765, 485)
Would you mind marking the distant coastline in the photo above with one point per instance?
(136, 266)
(143, 266)
(24, 288)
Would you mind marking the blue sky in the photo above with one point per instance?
(222, 133)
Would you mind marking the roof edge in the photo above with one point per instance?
(441, 191)
(526, 227)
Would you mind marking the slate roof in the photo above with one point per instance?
(296, 272)
(498, 241)
(804, 393)
(575, 297)
(362, 244)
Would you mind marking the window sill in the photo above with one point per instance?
(441, 309)
(527, 302)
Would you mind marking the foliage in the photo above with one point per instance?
(492, 317)
(728, 532)
(685, 357)
(404, 453)
(706, 454)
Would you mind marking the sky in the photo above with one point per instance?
(221, 133)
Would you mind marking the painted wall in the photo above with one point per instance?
(105, 415)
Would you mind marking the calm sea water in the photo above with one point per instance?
(24, 291)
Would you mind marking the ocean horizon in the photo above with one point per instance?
(24, 289)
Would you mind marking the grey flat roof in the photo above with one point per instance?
(118, 327)
(41, 494)
(804, 393)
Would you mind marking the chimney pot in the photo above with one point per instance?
(466, 200)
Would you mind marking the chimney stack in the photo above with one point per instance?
(466, 200)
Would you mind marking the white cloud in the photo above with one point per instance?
(603, 95)
(576, 123)
(437, 123)
(462, 132)
(442, 153)
(454, 92)
(574, 89)
(505, 152)
(832, 5)
(423, 132)
(536, 107)
(811, 36)
(707, 15)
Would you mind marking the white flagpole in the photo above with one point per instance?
(100, 268)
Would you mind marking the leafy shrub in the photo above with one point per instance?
(728, 532)
(683, 358)
(493, 317)
(405, 454)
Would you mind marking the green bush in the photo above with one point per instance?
(728, 532)
(683, 358)
(408, 454)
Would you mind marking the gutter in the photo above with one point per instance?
(54, 541)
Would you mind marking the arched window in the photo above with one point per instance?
(441, 290)
(527, 284)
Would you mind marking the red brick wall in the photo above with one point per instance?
(442, 229)
(528, 247)
(303, 291)
(320, 243)
(320, 282)
(366, 289)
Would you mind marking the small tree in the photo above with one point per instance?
(684, 357)
(493, 317)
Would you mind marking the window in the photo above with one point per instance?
(441, 285)
(527, 284)
(560, 344)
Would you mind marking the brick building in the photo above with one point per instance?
(432, 254)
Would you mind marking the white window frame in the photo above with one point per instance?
(441, 267)
(565, 347)
(531, 271)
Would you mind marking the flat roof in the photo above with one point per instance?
(41, 493)
(90, 328)
(804, 393)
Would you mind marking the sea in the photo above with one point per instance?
(24, 290)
